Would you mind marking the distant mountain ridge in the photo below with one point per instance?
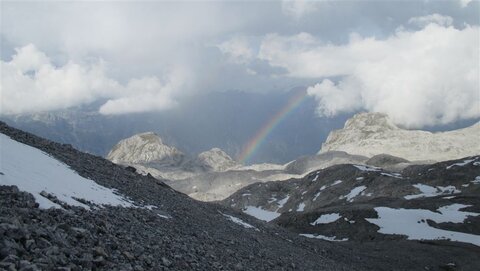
(370, 134)
(213, 174)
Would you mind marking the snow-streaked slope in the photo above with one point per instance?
(371, 134)
(142, 148)
(34, 171)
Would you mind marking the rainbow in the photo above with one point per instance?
(255, 142)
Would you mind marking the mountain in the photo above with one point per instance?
(307, 164)
(215, 160)
(227, 120)
(61, 209)
(370, 134)
(144, 148)
(366, 204)
(212, 175)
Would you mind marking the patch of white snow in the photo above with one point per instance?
(34, 171)
(353, 193)
(240, 222)
(301, 207)
(323, 237)
(260, 213)
(326, 218)
(367, 168)
(430, 191)
(461, 164)
(412, 223)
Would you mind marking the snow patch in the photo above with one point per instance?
(461, 164)
(393, 175)
(301, 207)
(367, 168)
(316, 195)
(353, 193)
(413, 223)
(34, 171)
(476, 181)
(260, 213)
(430, 191)
(323, 237)
(330, 185)
(240, 222)
(326, 218)
(282, 202)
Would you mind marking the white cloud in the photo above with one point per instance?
(32, 83)
(146, 94)
(299, 8)
(424, 77)
(464, 3)
(333, 99)
(436, 18)
(238, 49)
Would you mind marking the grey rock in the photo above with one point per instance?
(166, 262)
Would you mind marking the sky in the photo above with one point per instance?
(417, 61)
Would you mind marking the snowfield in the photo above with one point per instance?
(326, 218)
(413, 223)
(34, 171)
(430, 191)
(260, 213)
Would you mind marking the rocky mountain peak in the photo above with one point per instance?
(142, 148)
(216, 159)
(370, 122)
(370, 134)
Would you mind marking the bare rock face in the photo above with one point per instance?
(216, 160)
(142, 149)
(370, 134)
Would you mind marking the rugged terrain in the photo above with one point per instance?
(369, 134)
(367, 139)
(367, 204)
(161, 229)
(213, 174)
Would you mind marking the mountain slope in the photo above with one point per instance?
(370, 134)
(164, 230)
(362, 203)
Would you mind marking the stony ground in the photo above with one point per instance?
(179, 234)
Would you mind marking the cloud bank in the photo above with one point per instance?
(149, 56)
(424, 77)
(32, 83)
